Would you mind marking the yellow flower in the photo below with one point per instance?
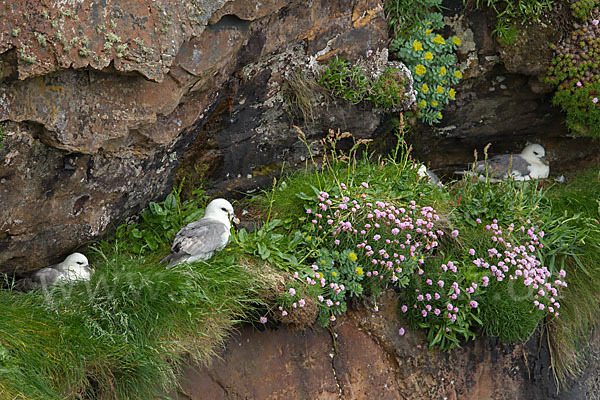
(320, 275)
(308, 238)
(359, 271)
(456, 40)
(439, 39)
(418, 46)
(458, 74)
(420, 69)
(422, 103)
(424, 88)
(428, 56)
(439, 89)
(439, 115)
(434, 103)
(352, 257)
(322, 262)
(334, 273)
(428, 31)
(442, 71)
(452, 93)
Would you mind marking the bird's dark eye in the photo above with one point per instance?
(535, 152)
(79, 262)
(224, 209)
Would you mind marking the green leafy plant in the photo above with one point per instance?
(404, 16)
(510, 13)
(351, 83)
(431, 60)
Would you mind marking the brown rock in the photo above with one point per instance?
(372, 361)
(101, 99)
(267, 365)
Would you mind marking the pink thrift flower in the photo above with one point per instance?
(473, 304)
(365, 184)
(401, 332)
(308, 211)
(292, 291)
(404, 308)
(263, 320)
(321, 298)
(595, 22)
(478, 220)
(284, 313)
(454, 233)
(424, 313)
(301, 302)
(595, 100)
(472, 252)
(579, 84)
(332, 318)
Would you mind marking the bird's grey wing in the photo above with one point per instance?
(46, 276)
(26, 284)
(203, 236)
(498, 166)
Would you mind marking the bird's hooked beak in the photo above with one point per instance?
(543, 159)
(235, 219)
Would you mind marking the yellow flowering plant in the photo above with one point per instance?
(430, 58)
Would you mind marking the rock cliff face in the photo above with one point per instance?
(364, 357)
(99, 101)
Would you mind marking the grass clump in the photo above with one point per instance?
(124, 333)
(512, 13)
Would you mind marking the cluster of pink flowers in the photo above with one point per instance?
(513, 262)
(520, 262)
(296, 304)
(389, 238)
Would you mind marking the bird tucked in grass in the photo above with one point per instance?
(200, 239)
(74, 268)
(530, 164)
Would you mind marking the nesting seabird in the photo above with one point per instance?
(200, 239)
(74, 268)
(530, 164)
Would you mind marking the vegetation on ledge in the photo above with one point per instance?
(344, 227)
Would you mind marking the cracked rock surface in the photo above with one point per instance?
(101, 103)
(369, 360)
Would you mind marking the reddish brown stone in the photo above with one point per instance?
(92, 138)
(274, 364)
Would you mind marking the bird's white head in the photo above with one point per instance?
(77, 266)
(222, 210)
(534, 153)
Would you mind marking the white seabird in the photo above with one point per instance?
(74, 268)
(200, 239)
(530, 164)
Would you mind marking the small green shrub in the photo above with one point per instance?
(351, 83)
